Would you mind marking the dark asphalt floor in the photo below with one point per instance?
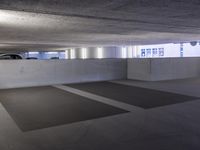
(43, 107)
(137, 96)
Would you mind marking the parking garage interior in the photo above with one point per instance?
(99, 75)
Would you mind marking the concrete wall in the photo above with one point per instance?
(163, 68)
(22, 73)
(139, 69)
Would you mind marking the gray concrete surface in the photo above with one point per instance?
(174, 127)
(188, 86)
(163, 68)
(59, 24)
(45, 24)
(22, 73)
(139, 69)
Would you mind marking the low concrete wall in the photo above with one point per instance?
(139, 69)
(163, 68)
(23, 73)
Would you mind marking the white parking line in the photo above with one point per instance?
(101, 99)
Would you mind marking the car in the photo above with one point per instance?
(31, 58)
(10, 56)
(54, 58)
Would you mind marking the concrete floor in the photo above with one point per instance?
(171, 127)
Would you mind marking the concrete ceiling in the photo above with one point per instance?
(59, 24)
